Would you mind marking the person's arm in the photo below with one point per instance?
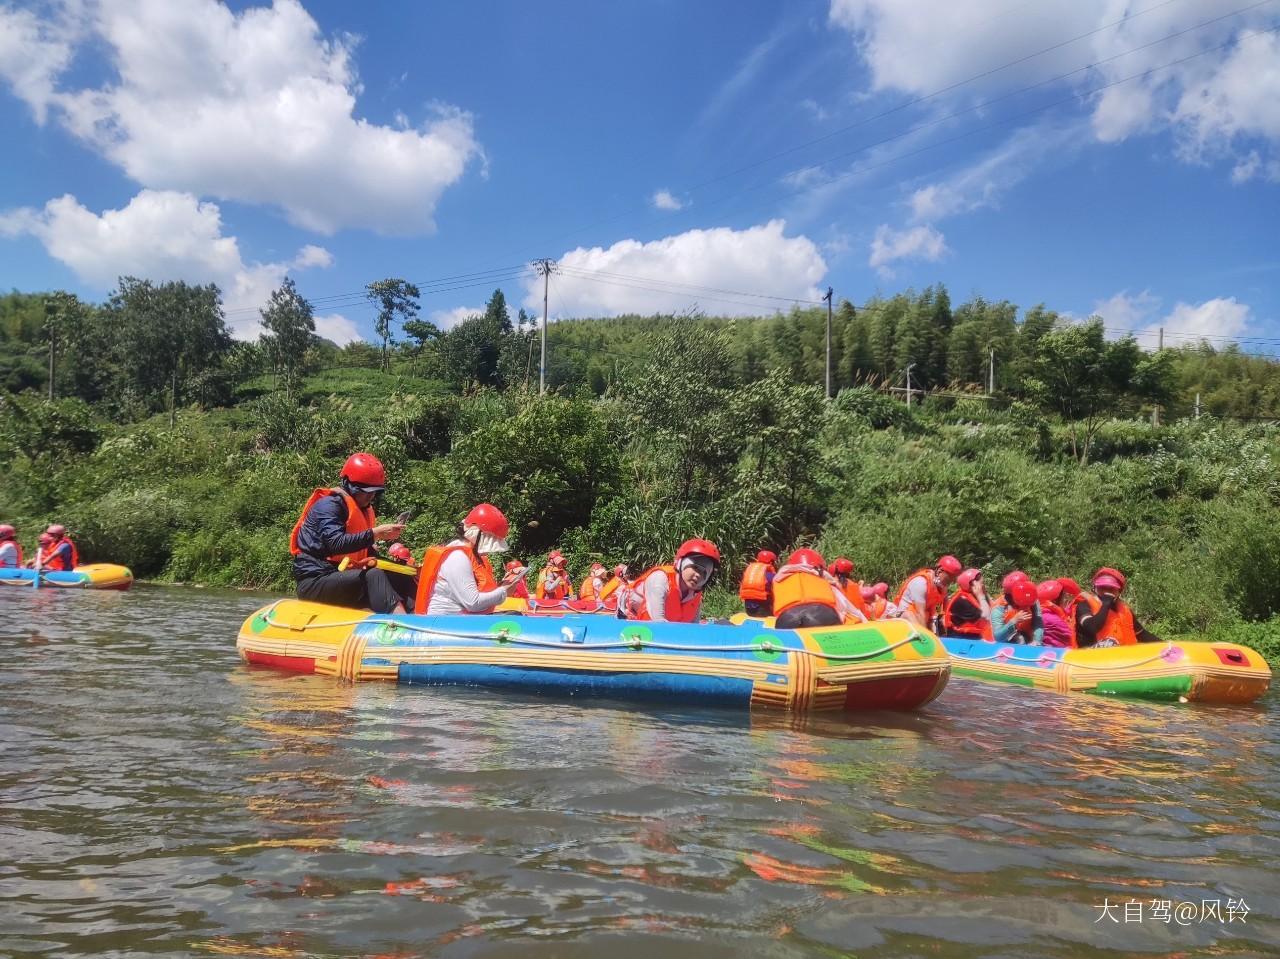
(913, 602)
(1002, 631)
(1144, 635)
(1088, 624)
(456, 571)
(1037, 626)
(328, 520)
(655, 591)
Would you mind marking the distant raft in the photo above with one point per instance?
(1162, 672)
(877, 666)
(92, 576)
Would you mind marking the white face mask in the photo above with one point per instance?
(485, 543)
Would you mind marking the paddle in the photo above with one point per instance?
(385, 564)
(35, 580)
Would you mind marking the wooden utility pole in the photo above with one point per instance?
(828, 298)
(544, 268)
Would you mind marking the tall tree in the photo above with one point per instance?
(392, 297)
(290, 328)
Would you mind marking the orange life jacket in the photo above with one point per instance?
(933, 595)
(18, 554)
(676, 611)
(755, 583)
(801, 588)
(1006, 612)
(562, 588)
(611, 587)
(1119, 622)
(588, 589)
(852, 590)
(877, 608)
(358, 521)
(56, 562)
(981, 629)
(429, 572)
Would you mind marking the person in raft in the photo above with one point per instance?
(920, 599)
(1105, 619)
(59, 553)
(968, 611)
(593, 583)
(805, 594)
(402, 555)
(10, 548)
(1015, 616)
(43, 542)
(614, 587)
(842, 569)
(1059, 623)
(673, 594)
(875, 600)
(553, 582)
(458, 577)
(519, 590)
(338, 523)
(755, 591)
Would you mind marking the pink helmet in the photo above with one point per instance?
(7, 531)
(400, 551)
(620, 570)
(1109, 578)
(966, 579)
(881, 589)
(56, 530)
(1049, 591)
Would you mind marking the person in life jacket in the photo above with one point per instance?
(10, 548)
(43, 542)
(593, 583)
(1106, 619)
(518, 590)
(842, 570)
(1015, 616)
(61, 552)
(805, 594)
(458, 577)
(875, 600)
(338, 523)
(1059, 624)
(402, 554)
(922, 594)
(968, 611)
(673, 594)
(755, 590)
(553, 582)
(614, 587)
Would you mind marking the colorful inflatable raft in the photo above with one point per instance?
(1165, 672)
(880, 666)
(93, 576)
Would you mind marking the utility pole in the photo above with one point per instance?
(828, 299)
(991, 374)
(910, 366)
(544, 268)
(1197, 406)
(1155, 410)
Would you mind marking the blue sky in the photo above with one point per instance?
(1110, 156)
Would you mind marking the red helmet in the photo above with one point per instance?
(488, 519)
(1022, 594)
(1049, 591)
(843, 566)
(56, 530)
(1012, 578)
(965, 580)
(1109, 577)
(365, 471)
(400, 552)
(7, 531)
(949, 564)
(881, 589)
(598, 568)
(1069, 586)
(620, 570)
(767, 556)
(699, 547)
(44, 539)
(556, 558)
(806, 557)
(512, 564)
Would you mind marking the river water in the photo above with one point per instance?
(158, 797)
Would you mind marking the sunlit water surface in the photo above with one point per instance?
(158, 797)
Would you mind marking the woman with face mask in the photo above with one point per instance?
(673, 593)
(458, 577)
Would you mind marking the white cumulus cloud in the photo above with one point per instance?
(720, 271)
(448, 319)
(1214, 320)
(159, 236)
(918, 243)
(255, 106)
(664, 200)
(336, 327)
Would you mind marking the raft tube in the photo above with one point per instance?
(93, 576)
(1161, 672)
(880, 666)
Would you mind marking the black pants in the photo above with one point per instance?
(374, 589)
(758, 607)
(808, 614)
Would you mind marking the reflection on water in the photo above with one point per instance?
(160, 798)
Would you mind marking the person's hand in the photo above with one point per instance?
(514, 576)
(1022, 617)
(388, 532)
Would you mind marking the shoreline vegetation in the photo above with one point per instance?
(186, 455)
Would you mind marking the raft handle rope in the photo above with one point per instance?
(503, 635)
(1008, 658)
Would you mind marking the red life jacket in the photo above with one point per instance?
(636, 607)
(17, 552)
(980, 629)
(755, 583)
(429, 572)
(52, 559)
(933, 595)
(358, 521)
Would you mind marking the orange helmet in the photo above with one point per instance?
(365, 472)
(806, 557)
